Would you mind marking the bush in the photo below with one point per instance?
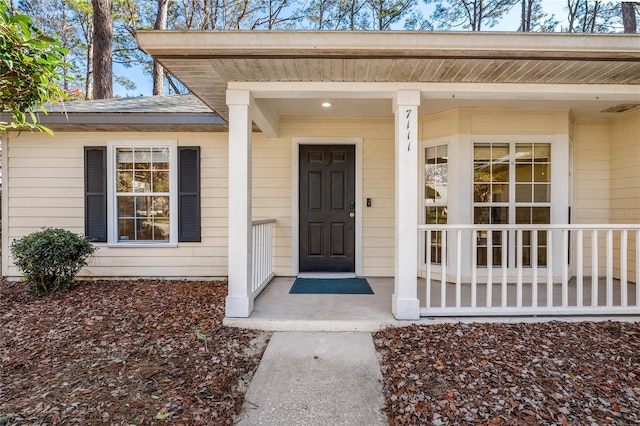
(50, 259)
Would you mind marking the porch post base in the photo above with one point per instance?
(405, 309)
(238, 306)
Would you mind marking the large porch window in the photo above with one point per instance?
(511, 185)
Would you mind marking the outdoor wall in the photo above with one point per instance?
(592, 172)
(44, 186)
(273, 183)
(625, 179)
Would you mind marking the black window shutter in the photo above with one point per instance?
(189, 194)
(95, 190)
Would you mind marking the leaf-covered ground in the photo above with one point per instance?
(552, 373)
(123, 353)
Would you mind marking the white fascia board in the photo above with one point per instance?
(387, 43)
(351, 90)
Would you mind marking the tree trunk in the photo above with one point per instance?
(629, 17)
(102, 49)
(158, 70)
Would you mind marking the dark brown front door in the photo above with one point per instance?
(327, 208)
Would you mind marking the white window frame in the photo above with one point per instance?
(422, 203)
(112, 205)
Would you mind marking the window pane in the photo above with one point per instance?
(124, 159)
(542, 173)
(540, 215)
(125, 181)
(481, 172)
(126, 229)
(482, 152)
(542, 152)
(160, 182)
(500, 172)
(481, 215)
(142, 158)
(500, 152)
(499, 215)
(542, 193)
(523, 173)
(142, 181)
(161, 230)
(482, 193)
(126, 207)
(500, 193)
(524, 152)
(523, 215)
(160, 158)
(523, 193)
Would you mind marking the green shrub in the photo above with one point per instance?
(50, 259)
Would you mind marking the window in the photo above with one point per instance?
(511, 184)
(142, 193)
(435, 195)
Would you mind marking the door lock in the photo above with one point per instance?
(352, 214)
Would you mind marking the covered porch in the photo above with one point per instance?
(258, 81)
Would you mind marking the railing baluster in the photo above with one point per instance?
(637, 268)
(443, 262)
(594, 268)
(624, 298)
(579, 268)
(609, 268)
(549, 268)
(458, 268)
(428, 260)
(519, 268)
(504, 262)
(565, 268)
(489, 267)
(534, 267)
(474, 267)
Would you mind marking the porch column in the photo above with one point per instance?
(239, 302)
(405, 300)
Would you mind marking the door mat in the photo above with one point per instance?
(330, 286)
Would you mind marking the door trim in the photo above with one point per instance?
(295, 201)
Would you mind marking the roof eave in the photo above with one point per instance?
(363, 44)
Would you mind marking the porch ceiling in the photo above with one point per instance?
(207, 62)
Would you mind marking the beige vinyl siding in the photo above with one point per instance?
(44, 178)
(592, 173)
(625, 180)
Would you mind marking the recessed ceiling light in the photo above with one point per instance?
(326, 105)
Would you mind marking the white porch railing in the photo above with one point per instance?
(536, 270)
(262, 255)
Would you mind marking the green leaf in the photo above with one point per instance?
(162, 416)
(156, 397)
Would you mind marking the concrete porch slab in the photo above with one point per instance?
(277, 310)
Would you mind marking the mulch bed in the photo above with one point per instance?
(552, 373)
(123, 353)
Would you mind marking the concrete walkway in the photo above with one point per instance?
(316, 378)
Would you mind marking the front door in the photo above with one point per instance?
(327, 208)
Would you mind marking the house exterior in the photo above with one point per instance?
(478, 164)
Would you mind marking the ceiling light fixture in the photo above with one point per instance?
(326, 105)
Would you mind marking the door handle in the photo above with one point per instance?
(352, 214)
